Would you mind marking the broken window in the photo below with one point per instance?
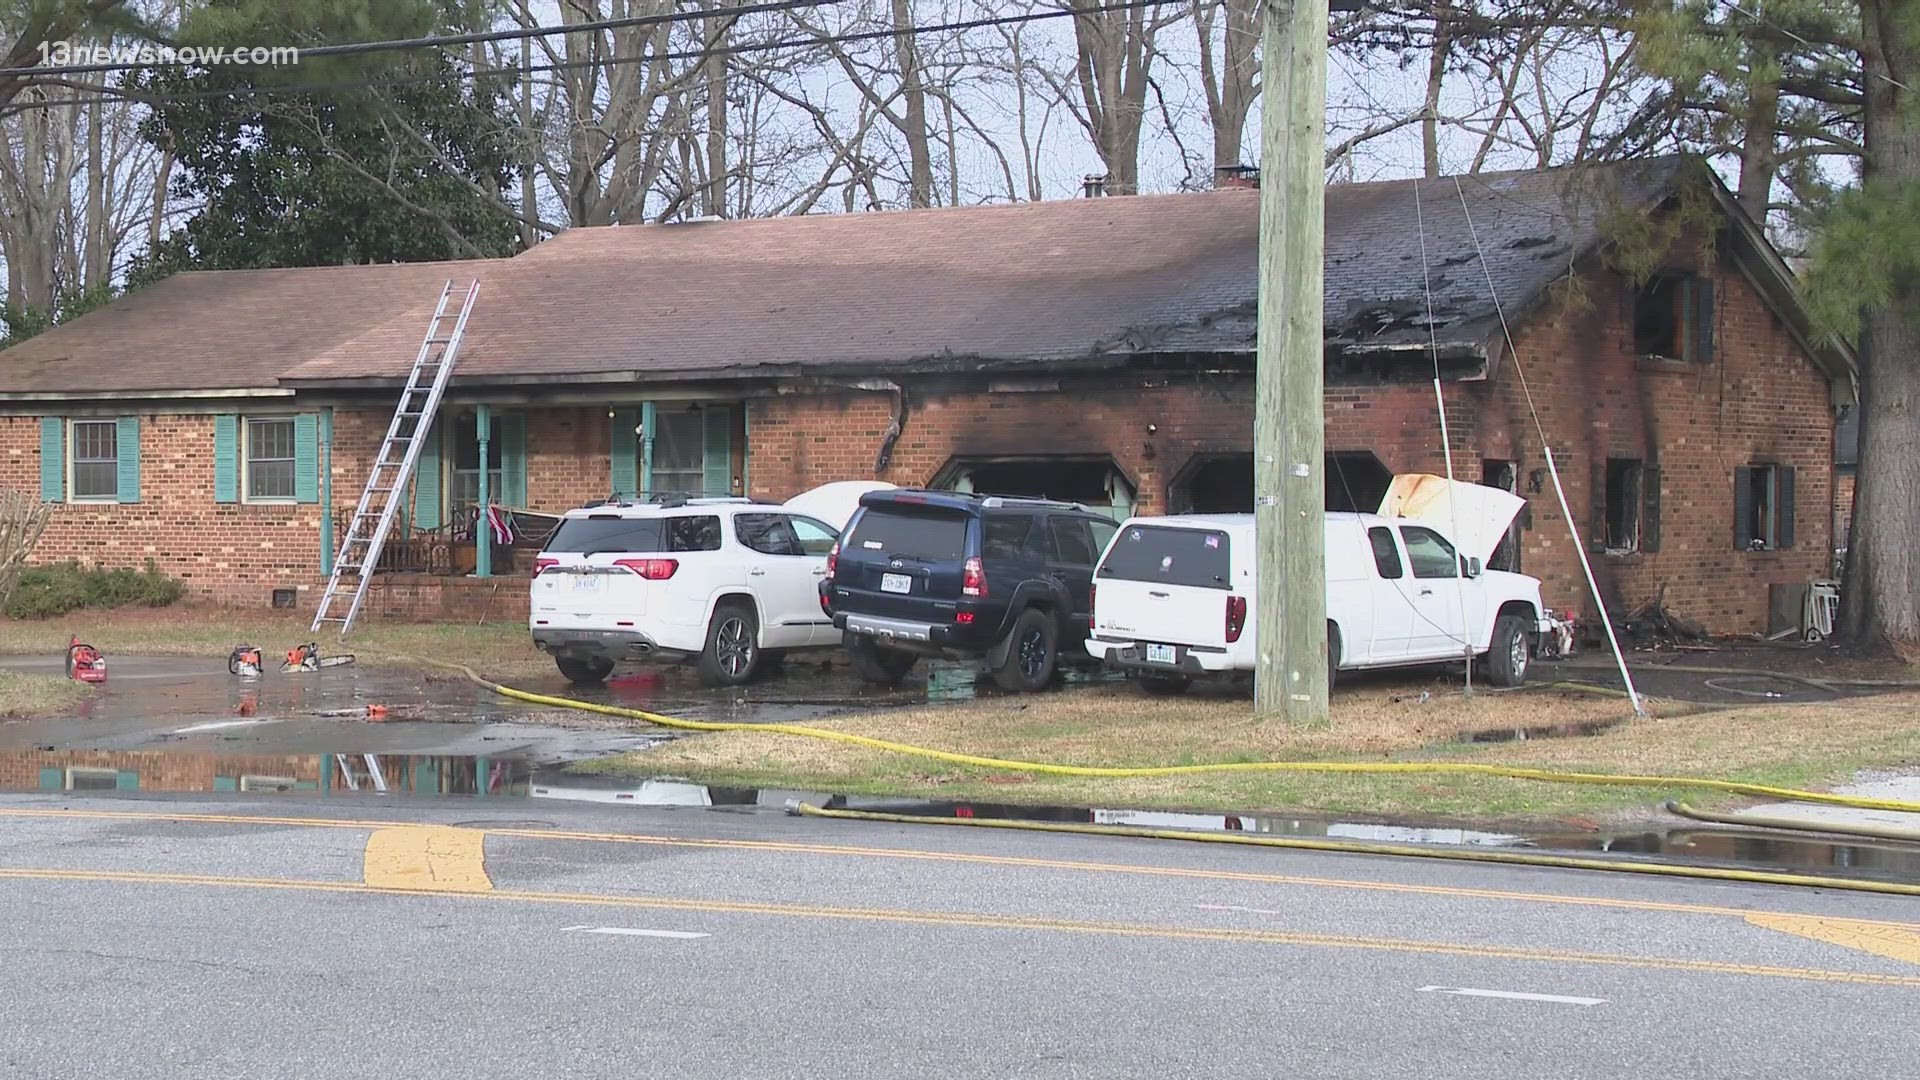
(1763, 507)
(1094, 482)
(1623, 505)
(1505, 475)
(1673, 318)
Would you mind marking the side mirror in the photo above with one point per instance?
(1473, 566)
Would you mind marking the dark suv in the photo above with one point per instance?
(945, 574)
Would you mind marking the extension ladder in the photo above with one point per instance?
(387, 483)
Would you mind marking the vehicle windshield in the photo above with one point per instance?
(929, 533)
(606, 532)
(1168, 556)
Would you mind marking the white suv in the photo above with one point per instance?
(730, 582)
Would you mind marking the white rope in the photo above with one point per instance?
(1446, 443)
(1560, 489)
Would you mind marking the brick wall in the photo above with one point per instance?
(158, 770)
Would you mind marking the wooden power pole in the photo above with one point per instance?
(1288, 423)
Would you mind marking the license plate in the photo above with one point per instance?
(586, 583)
(1160, 654)
(900, 583)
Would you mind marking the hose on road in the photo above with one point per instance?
(1763, 821)
(1356, 847)
(1414, 768)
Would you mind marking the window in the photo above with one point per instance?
(463, 489)
(932, 534)
(269, 459)
(679, 451)
(1005, 535)
(1197, 557)
(1386, 554)
(1763, 507)
(1431, 556)
(1072, 542)
(693, 533)
(768, 534)
(96, 460)
(84, 779)
(606, 532)
(814, 537)
(1623, 496)
(1673, 318)
(1102, 535)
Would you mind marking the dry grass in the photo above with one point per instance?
(27, 696)
(1796, 746)
(501, 649)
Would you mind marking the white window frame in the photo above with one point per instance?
(73, 441)
(92, 772)
(246, 462)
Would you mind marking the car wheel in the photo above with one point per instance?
(1165, 684)
(732, 656)
(1031, 655)
(876, 663)
(584, 670)
(1510, 652)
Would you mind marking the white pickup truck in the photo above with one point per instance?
(1174, 597)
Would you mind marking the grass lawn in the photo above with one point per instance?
(26, 696)
(1795, 746)
(500, 649)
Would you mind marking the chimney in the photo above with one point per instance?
(1236, 176)
(1093, 185)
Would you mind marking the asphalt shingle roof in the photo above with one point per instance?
(1079, 279)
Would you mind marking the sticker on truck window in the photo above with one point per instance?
(1213, 541)
(1166, 562)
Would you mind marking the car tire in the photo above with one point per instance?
(1165, 684)
(877, 664)
(1510, 653)
(1032, 653)
(584, 670)
(732, 655)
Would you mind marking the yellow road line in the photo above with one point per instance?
(1888, 941)
(428, 857)
(996, 922)
(847, 850)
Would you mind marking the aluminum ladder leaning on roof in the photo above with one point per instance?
(393, 466)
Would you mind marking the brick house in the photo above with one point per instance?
(1099, 349)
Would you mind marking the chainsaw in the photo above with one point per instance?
(85, 663)
(307, 658)
(244, 661)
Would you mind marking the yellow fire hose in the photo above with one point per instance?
(1354, 847)
(1338, 846)
(1426, 768)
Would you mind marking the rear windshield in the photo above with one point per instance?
(929, 534)
(1197, 557)
(613, 533)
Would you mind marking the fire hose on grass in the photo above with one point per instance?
(1425, 768)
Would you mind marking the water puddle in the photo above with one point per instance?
(426, 775)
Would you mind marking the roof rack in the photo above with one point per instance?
(1030, 500)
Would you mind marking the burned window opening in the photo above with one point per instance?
(1624, 500)
(1223, 484)
(1094, 482)
(1673, 318)
(1763, 507)
(1505, 475)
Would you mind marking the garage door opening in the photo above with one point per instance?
(1095, 482)
(1223, 483)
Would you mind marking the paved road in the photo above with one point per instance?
(168, 938)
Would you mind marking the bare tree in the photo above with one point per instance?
(1232, 81)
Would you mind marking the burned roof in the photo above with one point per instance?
(1094, 280)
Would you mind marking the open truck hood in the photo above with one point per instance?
(835, 503)
(1477, 517)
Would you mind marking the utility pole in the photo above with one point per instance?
(1288, 424)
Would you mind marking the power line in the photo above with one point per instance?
(357, 48)
(570, 65)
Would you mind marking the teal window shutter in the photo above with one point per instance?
(127, 448)
(52, 780)
(513, 460)
(126, 780)
(623, 457)
(306, 458)
(718, 475)
(226, 458)
(426, 481)
(53, 459)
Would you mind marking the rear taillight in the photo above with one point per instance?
(973, 578)
(833, 558)
(1236, 616)
(1092, 591)
(651, 569)
(541, 566)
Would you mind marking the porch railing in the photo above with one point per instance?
(450, 549)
